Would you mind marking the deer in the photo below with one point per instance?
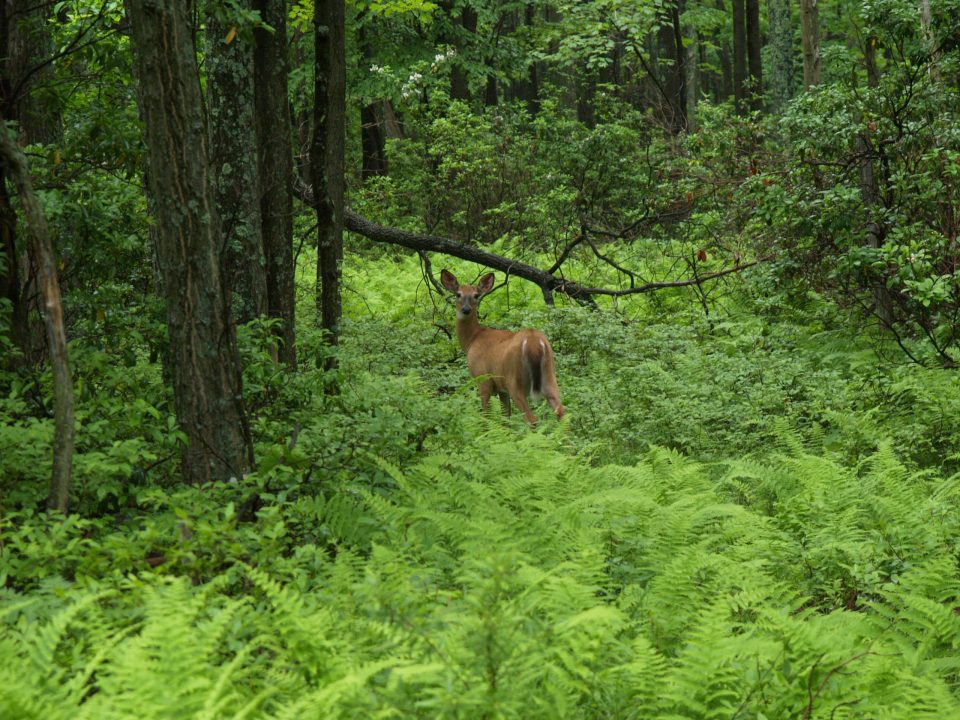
(511, 364)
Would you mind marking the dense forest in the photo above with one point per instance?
(261, 266)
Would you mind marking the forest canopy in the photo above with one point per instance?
(248, 325)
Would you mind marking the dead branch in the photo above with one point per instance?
(546, 280)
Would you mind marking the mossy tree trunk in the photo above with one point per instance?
(781, 78)
(275, 161)
(25, 72)
(327, 158)
(233, 162)
(42, 250)
(810, 40)
(740, 89)
(754, 62)
(203, 350)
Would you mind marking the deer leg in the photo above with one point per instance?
(485, 388)
(505, 402)
(519, 398)
(552, 393)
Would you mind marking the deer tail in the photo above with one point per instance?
(534, 356)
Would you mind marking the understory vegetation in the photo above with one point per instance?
(750, 508)
(746, 517)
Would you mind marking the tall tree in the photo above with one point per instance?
(754, 62)
(204, 358)
(16, 165)
(25, 49)
(675, 67)
(327, 158)
(275, 168)
(740, 90)
(810, 39)
(780, 79)
(233, 160)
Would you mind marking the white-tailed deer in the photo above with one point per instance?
(513, 364)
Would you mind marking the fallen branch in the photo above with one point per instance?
(545, 280)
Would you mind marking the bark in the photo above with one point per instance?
(930, 38)
(25, 45)
(874, 230)
(372, 137)
(527, 88)
(63, 435)
(372, 141)
(754, 63)
(740, 90)
(233, 164)
(327, 158)
(676, 70)
(810, 40)
(30, 46)
(205, 363)
(692, 78)
(459, 83)
(726, 65)
(781, 79)
(275, 169)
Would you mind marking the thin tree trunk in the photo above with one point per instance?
(372, 136)
(692, 78)
(810, 39)
(25, 47)
(754, 62)
(205, 363)
(726, 64)
(780, 81)
(874, 232)
(275, 169)
(233, 163)
(930, 37)
(327, 159)
(740, 90)
(63, 436)
(459, 82)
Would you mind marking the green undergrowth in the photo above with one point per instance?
(513, 580)
(749, 515)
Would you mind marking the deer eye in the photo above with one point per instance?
(459, 294)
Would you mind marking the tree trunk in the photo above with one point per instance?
(810, 39)
(692, 80)
(233, 164)
(675, 71)
(372, 137)
(25, 46)
(459, 82)
(63, 435)
(275, 169)
(206, 367)
(740, 90)
(327, 159)
(726, 65)
(754, 63)
(874, 231)
(780, 80)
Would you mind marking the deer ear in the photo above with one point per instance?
(486, 283)
(448, 280)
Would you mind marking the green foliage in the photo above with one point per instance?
(512, 580)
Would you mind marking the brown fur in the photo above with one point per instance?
(509, 370)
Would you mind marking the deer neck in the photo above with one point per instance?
(467, 329)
